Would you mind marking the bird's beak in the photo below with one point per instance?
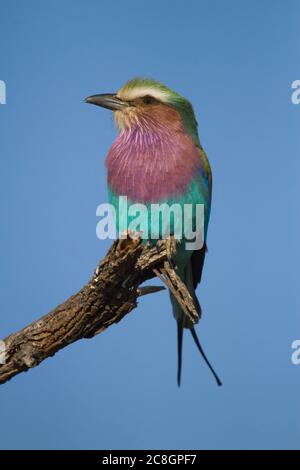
(107, 100)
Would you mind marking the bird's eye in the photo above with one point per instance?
(148, 99)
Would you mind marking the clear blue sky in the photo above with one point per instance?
(235, 61)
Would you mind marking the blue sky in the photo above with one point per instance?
(235, 61)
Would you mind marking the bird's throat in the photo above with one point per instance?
(152, 162)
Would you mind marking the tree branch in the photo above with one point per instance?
(110, 295)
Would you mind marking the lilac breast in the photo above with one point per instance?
(152, 164)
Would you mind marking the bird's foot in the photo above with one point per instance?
(132, 234)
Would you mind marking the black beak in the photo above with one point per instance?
(107, 100)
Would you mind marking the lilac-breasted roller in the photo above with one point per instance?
(157, 158)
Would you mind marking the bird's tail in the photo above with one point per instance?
(183, 322)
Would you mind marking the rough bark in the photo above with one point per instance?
(111, 293)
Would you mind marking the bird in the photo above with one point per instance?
(157, 158)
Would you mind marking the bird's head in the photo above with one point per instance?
(145, 103)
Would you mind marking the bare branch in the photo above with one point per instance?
(169, 277)
(110, 295)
